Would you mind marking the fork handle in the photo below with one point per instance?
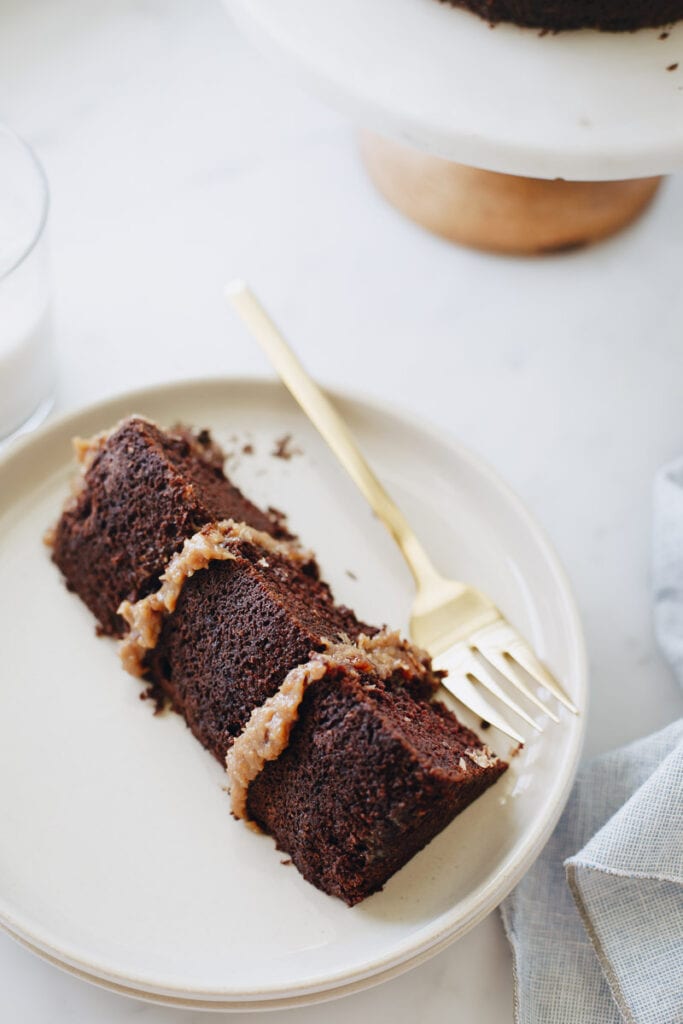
(331, 426)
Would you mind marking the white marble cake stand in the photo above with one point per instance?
(440, 89)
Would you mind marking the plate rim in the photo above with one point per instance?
(492, 894)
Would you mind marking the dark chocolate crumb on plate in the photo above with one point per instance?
(672, 67)
(484, 724)
(285, 449)
(279, 519)
(238, 448)
(159, 699)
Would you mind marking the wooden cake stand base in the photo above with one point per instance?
(501, 212)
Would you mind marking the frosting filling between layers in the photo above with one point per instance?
(212, 543)
(266, 734)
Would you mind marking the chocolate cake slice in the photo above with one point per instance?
(332, 742)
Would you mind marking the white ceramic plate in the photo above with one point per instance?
(584, 105)
(119, 858)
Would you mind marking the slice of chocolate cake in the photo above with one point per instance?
(333, 743)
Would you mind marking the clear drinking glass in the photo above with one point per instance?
(27, 363)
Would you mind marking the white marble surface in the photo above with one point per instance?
(178, 158)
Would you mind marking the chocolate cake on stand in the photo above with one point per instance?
(507, 138)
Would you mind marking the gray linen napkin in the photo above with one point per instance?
(596, 926)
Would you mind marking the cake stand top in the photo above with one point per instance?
(581, 105)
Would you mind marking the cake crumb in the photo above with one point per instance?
(239, 446)
(278, 517)
(663, 35)
(351, 575)
(154, 693)
(285, 448)
(516, 751)
(672, 67)
(484, 724)
(286, 861)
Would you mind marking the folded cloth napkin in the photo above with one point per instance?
(596, 926)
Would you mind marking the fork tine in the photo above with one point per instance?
(482, 675)
(461, 660)
(466, 692)
(524, 656)
(508, 669)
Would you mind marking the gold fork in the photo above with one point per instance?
(460, 627)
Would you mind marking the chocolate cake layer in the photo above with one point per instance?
(237, 630)
(557, 15)
(142, 493)
(369, 777)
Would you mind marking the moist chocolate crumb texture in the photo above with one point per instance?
(327, 726)
(557, 15)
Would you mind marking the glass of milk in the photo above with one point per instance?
(27, 364)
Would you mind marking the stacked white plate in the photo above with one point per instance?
(119, 859)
